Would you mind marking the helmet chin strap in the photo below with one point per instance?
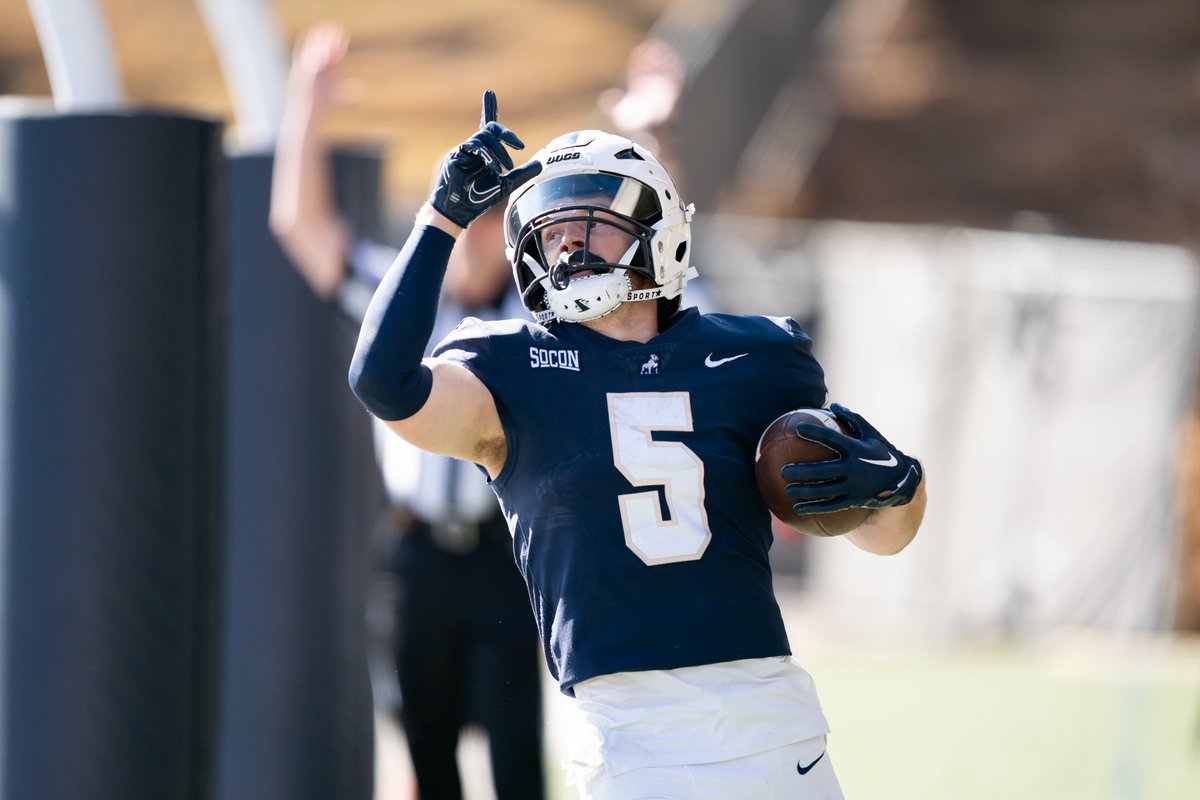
(559, 275)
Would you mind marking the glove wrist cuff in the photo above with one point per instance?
(906, 490)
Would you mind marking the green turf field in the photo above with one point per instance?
(1086, 720)
(1081, 721)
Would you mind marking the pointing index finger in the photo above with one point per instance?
(489, 108)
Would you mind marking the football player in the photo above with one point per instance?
(617, 429)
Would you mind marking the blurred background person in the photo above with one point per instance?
(644, 109)
(463, 644)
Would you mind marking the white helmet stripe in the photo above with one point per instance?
(534, 265)
(627, 256)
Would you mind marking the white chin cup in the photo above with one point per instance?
(588, 297)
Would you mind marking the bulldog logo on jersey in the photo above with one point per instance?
(651, 365)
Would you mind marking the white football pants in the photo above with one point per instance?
(800, 771)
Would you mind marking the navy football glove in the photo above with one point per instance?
(869, 472)
(479, 172)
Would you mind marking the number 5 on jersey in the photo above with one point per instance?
(633, 417)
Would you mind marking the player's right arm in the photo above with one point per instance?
(436, 405)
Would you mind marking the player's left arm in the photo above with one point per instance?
(887, 531)
(868, 472)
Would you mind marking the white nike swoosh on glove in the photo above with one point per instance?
(890, 462)
(477, 197)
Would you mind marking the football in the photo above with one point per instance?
(779, 445)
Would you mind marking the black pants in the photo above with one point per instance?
(467, 651)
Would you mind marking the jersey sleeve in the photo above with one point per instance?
(468, 344)
(479, 347)
(804, 379)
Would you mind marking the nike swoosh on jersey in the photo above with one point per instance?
(804, 770)
(890, 462)
(709, 362)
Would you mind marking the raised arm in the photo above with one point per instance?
(302, 217)
(437, 405)
(645, 109)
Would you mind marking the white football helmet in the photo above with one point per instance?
(582, 173)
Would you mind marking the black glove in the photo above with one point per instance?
(479, 172)
(869, 472)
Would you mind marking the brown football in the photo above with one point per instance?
(779, 445)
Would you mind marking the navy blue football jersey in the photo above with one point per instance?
(629, 483)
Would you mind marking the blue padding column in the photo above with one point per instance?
(303, 493)
(111, 320)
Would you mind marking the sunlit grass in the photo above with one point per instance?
(1059, 723)
(1062, 721)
